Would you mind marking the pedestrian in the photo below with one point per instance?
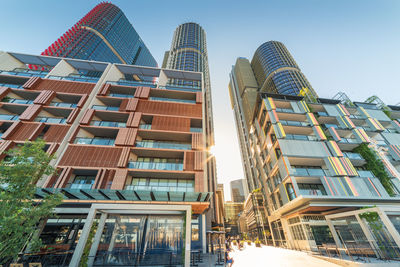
(228, 259)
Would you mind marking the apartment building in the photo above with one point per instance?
(130, 155)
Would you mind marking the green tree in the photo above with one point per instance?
(20, 213)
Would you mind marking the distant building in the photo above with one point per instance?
(232, 211)
(238, 190)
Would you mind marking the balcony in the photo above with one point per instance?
(94, 141)
(17, 101)
(6, 117)
(108, 124)
(349, 140)
(133, 83)
(51, 120)
(165, 166)
(172, 100)
(163, 145)
(161, 185)
(322, 113)
(315, 172)
(25, 72)
(99, 107)
(63, 105)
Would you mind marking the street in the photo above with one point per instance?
(252, 256)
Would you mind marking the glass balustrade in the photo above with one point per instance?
(51, 120)
(63, 105)
(133, 83)
(155, 165)
(308, 172)
(108, 123)
(196, 130)
(301, 137)
(99, 107)
(6, 117)
(11, 85)
(120, 95)
(349, 140)
(94, 141)
(80, 78)
(321, 113)
(363, 173)
(294, 123)
(25, 72)
(165, 145)
(172, 100)
(164, 185)
(285, 110)
(182, 88)
(145, 126)
(17, 101)
(352, 155)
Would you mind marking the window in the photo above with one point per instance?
(290, 191)
(278, 153)
(312, 189)
(165, 185)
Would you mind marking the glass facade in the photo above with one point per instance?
(277, 72)
(141, 240)
(104, 34)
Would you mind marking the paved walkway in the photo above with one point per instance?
(267, 256)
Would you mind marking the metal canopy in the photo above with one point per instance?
(184, 75)
(36, 60)
(87, 65)
(129, 195)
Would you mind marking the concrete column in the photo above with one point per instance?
(96, 240)
(188, 236)
(203, 233)
(76, 257)
(389, 226)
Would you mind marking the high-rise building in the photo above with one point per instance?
(277, 72)
(130, 156)
(189, 52)
(232, 212)
(322, 166)
(104, 34)
(239, 190)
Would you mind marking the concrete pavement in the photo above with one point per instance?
(267, 256)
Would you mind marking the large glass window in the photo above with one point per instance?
(312, 189)
(165, 185)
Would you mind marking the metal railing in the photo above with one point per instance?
(155, 165)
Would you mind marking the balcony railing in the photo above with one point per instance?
(95, 141)
(301, 137)
(120, 95)
(51, 120)
(145, 126)
(196, 130)
(133, 83)
(25, 72)
(285, 110)
(349, 140)
(309, 172)
(164, 145)
(189, 88)
(108, 123)
(351, 155)
(155, 166)
(172, 100)
(11, 85)
(17, 101)
(294, 123)
(99, 107)
(63, 105)
(80, 78)
(6, 117)
(362, 173)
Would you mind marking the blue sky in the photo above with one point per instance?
(340, 45)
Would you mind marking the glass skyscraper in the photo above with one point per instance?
(189, 52)
(277, 72)
(103, 34)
